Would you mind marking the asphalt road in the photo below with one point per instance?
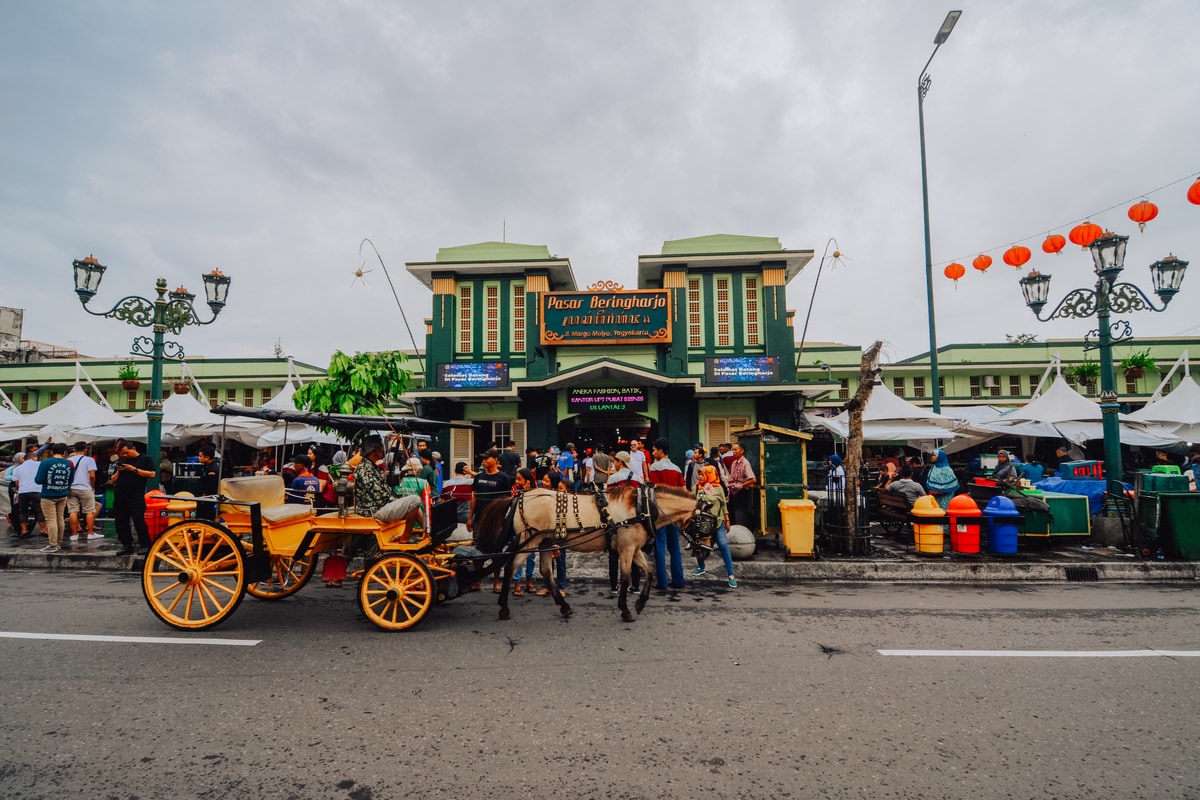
(761, 692)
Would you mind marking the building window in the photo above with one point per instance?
(518, 318)
(844, 391)
(1033, 384)
(214, 399)
(750, 287)
(266, 396)
(720, 429)
(131, 400)
(502, 433)
(898, 387)
(465, 313)
(992, 383)
(721, 307)
(53, 398)
(918, 386)
(146, 398)
(491, 317)
(231, 395)
(1131, 386)
(941, 385)
(1014, 385)
(248, 397)
(976, 386)
(695, 327)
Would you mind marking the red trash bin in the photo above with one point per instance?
(964, 524)
(156, 503)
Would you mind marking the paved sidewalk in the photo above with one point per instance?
(889, 562)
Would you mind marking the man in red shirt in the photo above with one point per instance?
(663, 472)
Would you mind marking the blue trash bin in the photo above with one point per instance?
(1001, 515)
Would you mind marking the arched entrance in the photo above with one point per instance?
(607, 430)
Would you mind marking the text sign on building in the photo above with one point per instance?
(607, 398)
(606, 317)
(473, 375)
(742, 369)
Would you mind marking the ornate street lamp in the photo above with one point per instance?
(169, 311)
(923, 83)
(1108, 258)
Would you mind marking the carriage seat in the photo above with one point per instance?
(268, 492)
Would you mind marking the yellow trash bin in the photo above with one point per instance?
(797, 516)
(928, 538)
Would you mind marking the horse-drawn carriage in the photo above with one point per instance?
(249, 540)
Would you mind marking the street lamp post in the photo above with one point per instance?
(169, 311)
(1108, 257)
(923, 83)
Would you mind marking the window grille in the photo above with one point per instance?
(518, 318)
(465, 313)
(695, 327)
(722, 307)
(752, 303)
(491, 313)
(918, 386)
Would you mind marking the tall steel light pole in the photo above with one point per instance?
(1108, 257)
(923, 83)
(162, 315)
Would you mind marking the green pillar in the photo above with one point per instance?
(1109, 408)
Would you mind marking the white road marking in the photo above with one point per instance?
(70, 637)
(1044, 653)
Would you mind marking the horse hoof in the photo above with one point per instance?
(505, 614)
(639, 605)
(627, 616)
(566, 610)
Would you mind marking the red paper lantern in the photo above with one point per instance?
(982, 262)
(954, 271)
(1194, 193)
(1085, 233)
(1054, 243)
(1017, 256)
(1143, 212)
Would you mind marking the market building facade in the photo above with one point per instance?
(703, 345)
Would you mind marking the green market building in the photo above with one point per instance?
(702, 345)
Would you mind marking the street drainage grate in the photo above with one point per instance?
(1082, 574)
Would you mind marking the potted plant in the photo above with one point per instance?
(128, 373)
(1135, 365)
(183, 384)
(1085, 374)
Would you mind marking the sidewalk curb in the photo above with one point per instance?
(772, 571)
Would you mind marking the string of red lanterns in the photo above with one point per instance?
(1082, 234)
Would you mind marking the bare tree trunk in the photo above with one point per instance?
(867, 372)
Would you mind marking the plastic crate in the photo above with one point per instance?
(1080, 470)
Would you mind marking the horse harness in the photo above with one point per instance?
(567, 506)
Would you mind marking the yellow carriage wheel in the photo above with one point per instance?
(288, 576)
(195, 575)
(395, 592)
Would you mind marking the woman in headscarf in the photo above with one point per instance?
(941, 482)
(711, 498)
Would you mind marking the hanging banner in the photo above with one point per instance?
(641, 316)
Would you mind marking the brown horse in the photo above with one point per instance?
(542, 521)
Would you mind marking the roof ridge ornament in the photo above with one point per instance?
(606, 286)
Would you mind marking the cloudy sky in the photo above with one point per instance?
(269, 138)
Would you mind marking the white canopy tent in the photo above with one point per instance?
(75, 410)
(1177, 412)
(888, 418)
(260, 433)
(1061, 412)
(185, 419)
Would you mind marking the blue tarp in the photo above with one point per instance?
(1093, 490)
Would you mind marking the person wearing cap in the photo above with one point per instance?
(490, 485)
(437, 471)
(620, 474)
(305, 486)
(663, 472)
(371, 491)
(82, 499)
